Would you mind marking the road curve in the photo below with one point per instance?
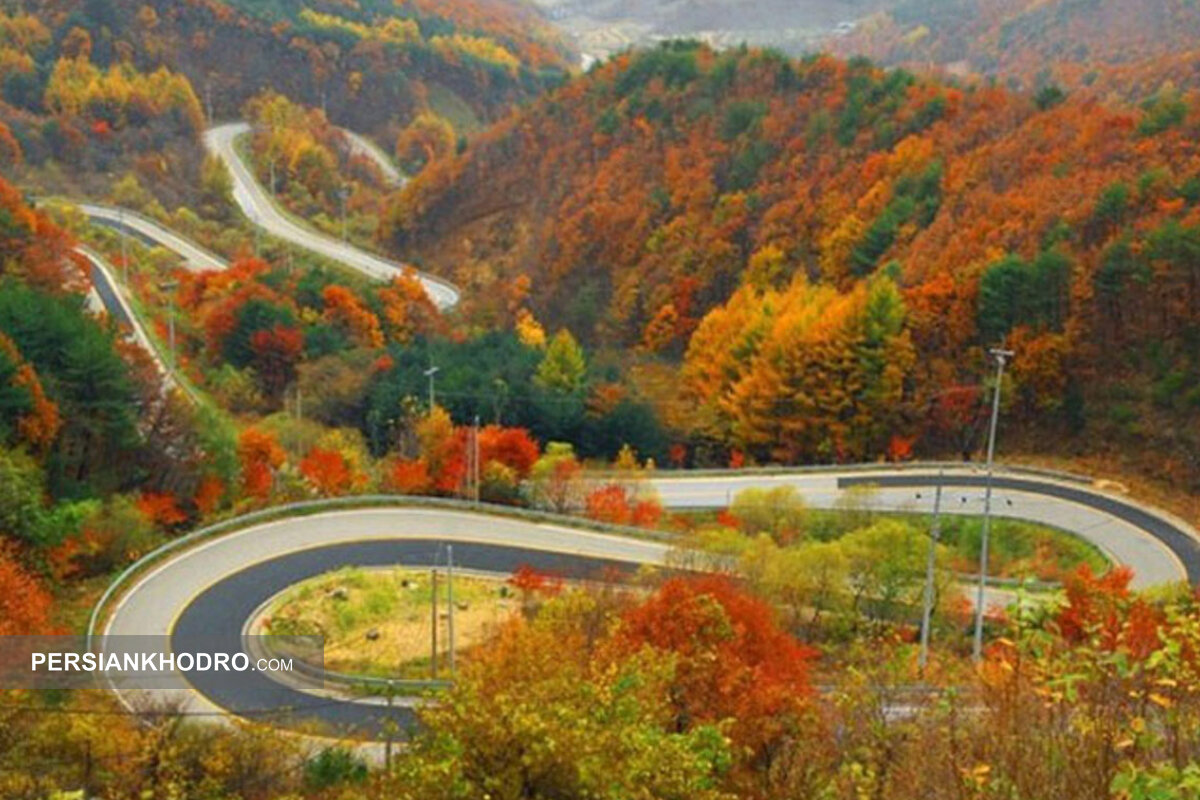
(361, 145)
(215, 587)
(195, 257)
(259, 207)
(1158, 548)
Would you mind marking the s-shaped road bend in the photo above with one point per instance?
(215, 586)
(258, 205)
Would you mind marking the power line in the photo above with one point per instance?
(113, 712)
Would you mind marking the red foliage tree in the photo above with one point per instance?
(732, 661)
(24, 603)
(276, 352)
(161, 508)
(512, 447)
(1103, 609)
(327, 471)
(260, 456)
(532, 583)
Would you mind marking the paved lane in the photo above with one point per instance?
(195, 257)
(1158, 548)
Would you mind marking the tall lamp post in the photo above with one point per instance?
(1002, 357)
(169, 288)
(344, 195)
(431, 373)
(124, 245)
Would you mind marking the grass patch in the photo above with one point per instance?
(1017, 549)
(378, 622)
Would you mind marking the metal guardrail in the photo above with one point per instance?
(545, 517)
(306, 507)
(901, 466)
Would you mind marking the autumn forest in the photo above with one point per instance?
(633, 328)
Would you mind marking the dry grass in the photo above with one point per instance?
(379, 621)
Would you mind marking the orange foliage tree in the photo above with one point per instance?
(732, 661)
(24, 603)
(209, 494)
(328, 471)
(260, 455)
(343, 307)
(619, 504)
(161, 508)
(513, 447)
(409, 476)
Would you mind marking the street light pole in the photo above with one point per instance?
(430, 373)
(475, 457)
(124, 245)
(1001, 357)
(344, 194)
(934, 537)
(169, 287)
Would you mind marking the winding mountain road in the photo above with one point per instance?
(216, 586)
(195, 257)
(261, 209)
(361, 145)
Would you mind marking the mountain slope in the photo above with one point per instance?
(370, 63)
(640, 197)
(1099, 45)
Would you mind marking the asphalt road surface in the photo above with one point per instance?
(195, 257)
(215, 587)
(1160, 550)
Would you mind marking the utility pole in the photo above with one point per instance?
(450, 604)
(124, 245)
(344, 194)
(169, 287)
(433, 638)
(430, 373)
(467, 487)
(934, 538)
(475, 457)
(1001, 357)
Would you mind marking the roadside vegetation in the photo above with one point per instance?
(683, 258)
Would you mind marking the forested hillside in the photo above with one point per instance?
(1087, 45)
(75, 118)
(97, 459)
(831, 248)
(370, 64)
